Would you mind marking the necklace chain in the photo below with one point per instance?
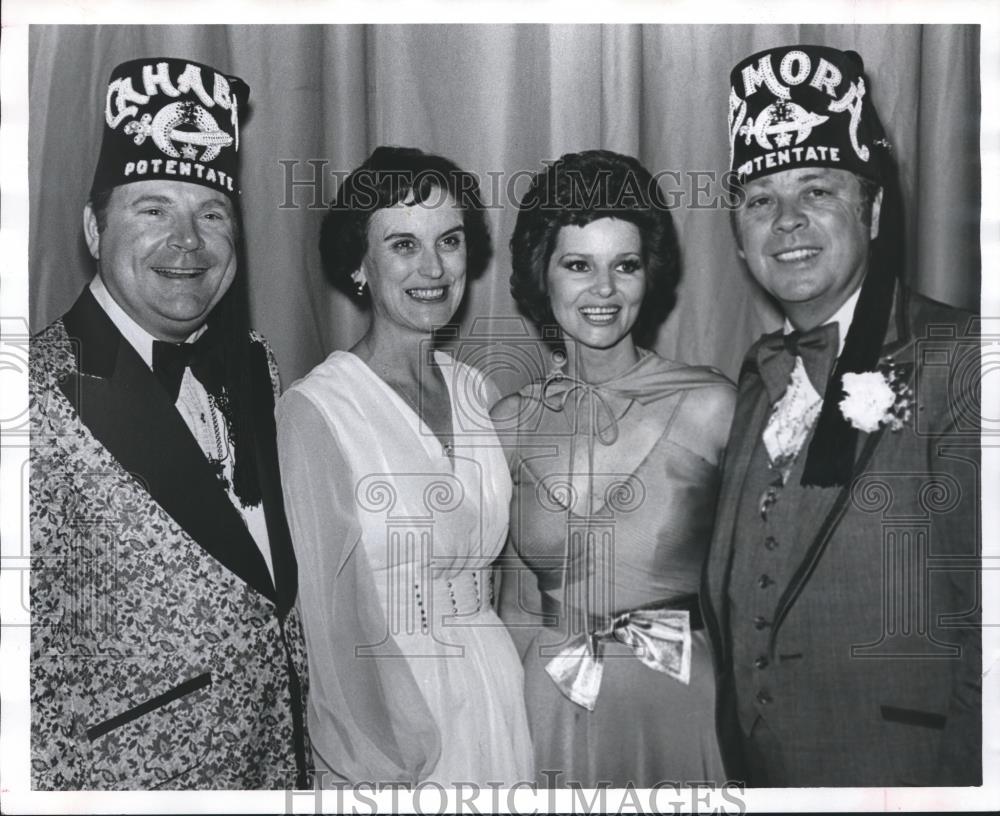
(190, 396)
(447, 443)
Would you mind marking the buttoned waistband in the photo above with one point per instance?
(421, 602)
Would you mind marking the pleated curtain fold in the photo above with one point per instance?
(499, 100)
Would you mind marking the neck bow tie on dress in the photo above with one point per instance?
(659, 638)
(171, 359)
(817, 347)
(557, 390)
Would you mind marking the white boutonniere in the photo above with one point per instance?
(874, 398)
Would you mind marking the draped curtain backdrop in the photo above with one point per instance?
(498, 100)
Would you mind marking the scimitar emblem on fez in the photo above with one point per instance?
(781, 119)
(163, 129)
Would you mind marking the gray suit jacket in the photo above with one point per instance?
(872, 670)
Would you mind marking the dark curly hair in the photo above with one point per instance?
(387, 177)
(576, 190)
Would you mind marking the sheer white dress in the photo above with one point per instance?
(412, 677)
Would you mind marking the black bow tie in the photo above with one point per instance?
(817, 347)
(171, 359)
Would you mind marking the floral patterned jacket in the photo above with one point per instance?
(162, 653)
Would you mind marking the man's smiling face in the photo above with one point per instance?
(805, 234)
(166, 252)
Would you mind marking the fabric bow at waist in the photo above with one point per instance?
(660, 638)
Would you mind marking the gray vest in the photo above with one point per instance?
(768, 546)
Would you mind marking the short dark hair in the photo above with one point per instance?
(869, 190)
(389, 176)
(99, 202)
(580, 188)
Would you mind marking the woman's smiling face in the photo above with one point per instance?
(597, 281)
(415, 263)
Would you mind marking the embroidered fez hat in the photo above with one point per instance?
(808, 106)
(802, 106)
(171, 119)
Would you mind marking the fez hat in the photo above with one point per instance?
(171, 119)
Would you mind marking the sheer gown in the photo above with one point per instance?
(611, 519)
(412, 676)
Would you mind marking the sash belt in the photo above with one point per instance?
(659, 636)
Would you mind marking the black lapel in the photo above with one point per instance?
(898, 339)
(127, 411)
(265, 442)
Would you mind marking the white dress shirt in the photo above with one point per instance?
(796, 412)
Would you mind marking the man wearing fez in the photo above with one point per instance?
(842, 585)
(166, 649)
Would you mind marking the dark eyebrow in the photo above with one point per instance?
(153, 198)
(616, 256)
(392, 236)
(150, 198)
(815, 177)
(395, 235)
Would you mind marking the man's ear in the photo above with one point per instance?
(876, 212)
(90, 232)
(734, 227)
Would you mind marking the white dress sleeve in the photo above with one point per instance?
(368, 721)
